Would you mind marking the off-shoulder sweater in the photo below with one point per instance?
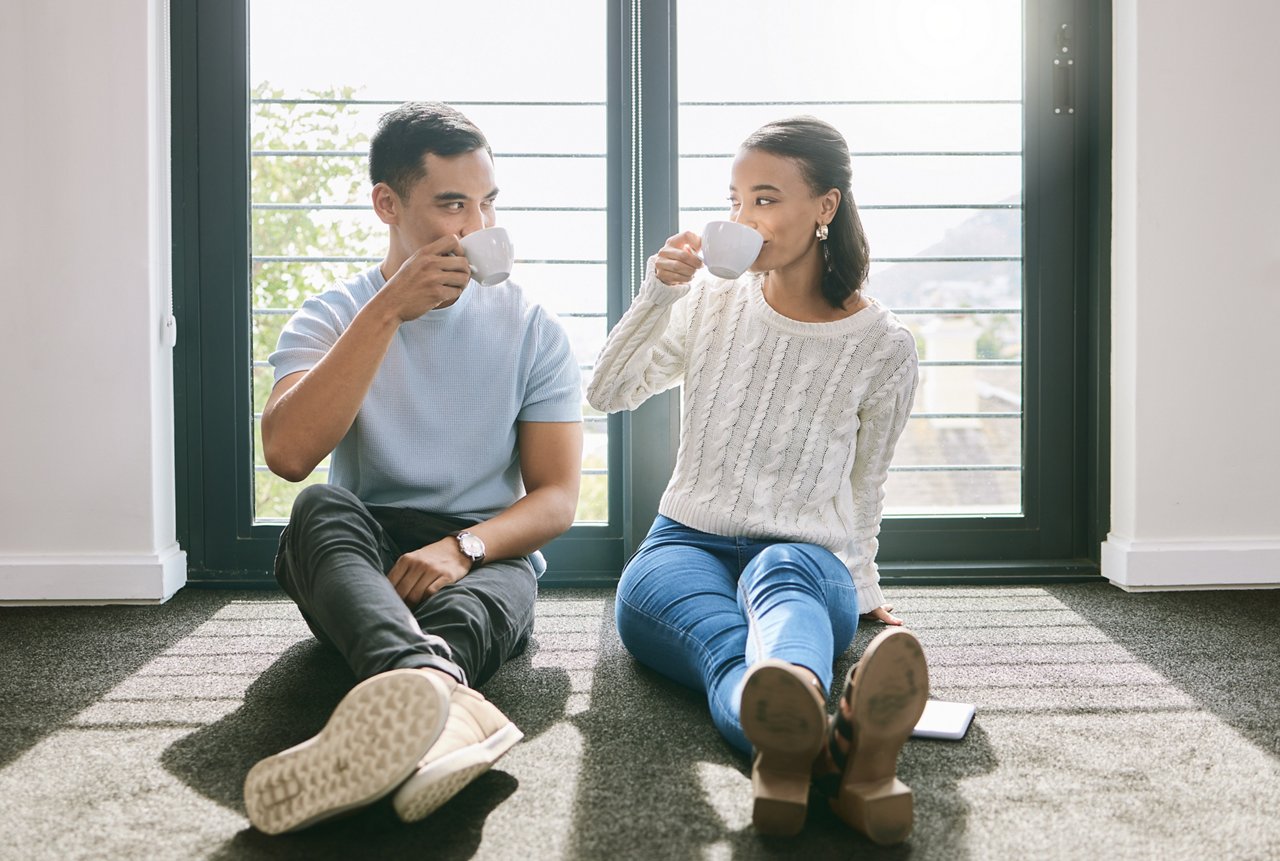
(787, 427)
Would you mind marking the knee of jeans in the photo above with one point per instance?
(803, 560)
(317, 498)
(635, 628)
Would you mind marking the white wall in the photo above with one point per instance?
(1196, 296)
(86, 465)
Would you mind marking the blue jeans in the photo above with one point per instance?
(701, 609)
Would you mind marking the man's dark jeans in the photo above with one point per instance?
(333, 560)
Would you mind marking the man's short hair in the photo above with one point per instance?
(412, 130)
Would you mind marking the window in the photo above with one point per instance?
(976, 169)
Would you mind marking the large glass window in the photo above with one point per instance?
(979, 169)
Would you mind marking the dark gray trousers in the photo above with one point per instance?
(333, 560)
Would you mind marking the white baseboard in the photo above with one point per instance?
(1151, 566)
(92, 579)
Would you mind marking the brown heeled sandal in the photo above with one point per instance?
(784, 717)
(885, 693)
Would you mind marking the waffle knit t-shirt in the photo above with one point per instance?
(437, 429)
(787, 427)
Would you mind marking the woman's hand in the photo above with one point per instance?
(882, 614)
(678, 259)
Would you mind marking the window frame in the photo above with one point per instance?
(1065, 282)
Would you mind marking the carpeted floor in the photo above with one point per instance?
(1109, 726)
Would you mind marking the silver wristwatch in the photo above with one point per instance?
(472, 547)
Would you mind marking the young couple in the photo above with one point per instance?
(453, 414)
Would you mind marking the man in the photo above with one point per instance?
(453, 413)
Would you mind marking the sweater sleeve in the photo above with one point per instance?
(646, 352)
(883, 417)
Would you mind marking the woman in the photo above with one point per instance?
(752, 579)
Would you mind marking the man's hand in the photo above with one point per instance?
(434, 275)
(426, 571)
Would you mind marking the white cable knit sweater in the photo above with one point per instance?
(787, 428)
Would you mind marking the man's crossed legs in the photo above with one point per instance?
(414, 724)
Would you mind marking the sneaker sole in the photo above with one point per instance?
(371, 743)
(890, 691)
(434, 784)
(786, 723)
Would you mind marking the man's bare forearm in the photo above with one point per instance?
(533, 521)
(304, 423)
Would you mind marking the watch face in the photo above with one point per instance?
(471, 545)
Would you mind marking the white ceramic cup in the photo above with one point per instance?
(490, 255)
(729, 248)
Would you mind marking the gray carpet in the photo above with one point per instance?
(1109, 726)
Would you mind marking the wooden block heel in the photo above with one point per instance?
(784, 718)
(883, 811)
(885, 695)
(780, 801)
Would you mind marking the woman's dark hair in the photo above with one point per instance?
(823, 157)
(411, 131)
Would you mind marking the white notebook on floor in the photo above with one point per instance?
(944, 720)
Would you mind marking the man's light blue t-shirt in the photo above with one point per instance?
(437, 430)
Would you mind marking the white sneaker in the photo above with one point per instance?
(373, 741)
(474, 738)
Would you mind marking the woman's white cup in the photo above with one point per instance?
(729, 248)
(490, 255)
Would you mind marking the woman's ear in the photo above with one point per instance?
(828, 204)
(386, 203)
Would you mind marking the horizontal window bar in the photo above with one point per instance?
(959, 467)
(983, 415)
(292, 259)
(270, 312)
(287, 312)
(991, 258)
(257, 417)
(360, 207)
(951, 311)
(961, 363)
(455, 104)
(258, 467)
(965, 416)
(987, 415)
(353, 153)
(884, 153)
(717, 104)
(994, 258)
(884, 206)
(854, 102)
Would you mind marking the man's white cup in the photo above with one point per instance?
(729, 248)
(490, 255)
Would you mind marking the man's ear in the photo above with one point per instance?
(386, 203)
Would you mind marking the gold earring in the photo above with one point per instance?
(822, 232)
